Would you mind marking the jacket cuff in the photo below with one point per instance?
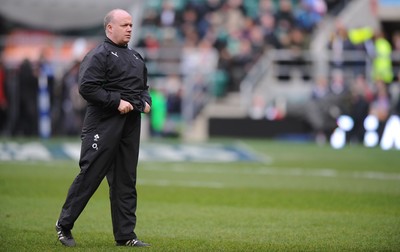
(115, 99)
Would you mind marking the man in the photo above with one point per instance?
(113, 81)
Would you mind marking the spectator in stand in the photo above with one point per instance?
(284, 23)
(234, 15)
(151, 45)
(382, 61)
(396, 41)
(199, 58)
(212, 5)
(394, 88)
(203, 13)
(238, 58)
(361, 98)
(169, 16)
(316, 110)
(265, 7)
(188, 27)
(73, 107)
(329, 99)
(208, 57)
(340, 97)
(3, 98)
(46, 68)
(242, 62)
(309, 14)
(335, 6)
(338, 44)
(298, 43)
(362, 50)
(338, 85)
(320, 89)
(257, 109)
(267, 22)
(284, 14)
(27, 122)
(395, 95)
(173, 91)
(150, 18)
(198, 65)
(248, 25)
(380, 106)
(258, 45)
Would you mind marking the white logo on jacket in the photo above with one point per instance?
(115, 54)
(96, 139)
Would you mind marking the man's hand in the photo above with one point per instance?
(124, 107)
(147, 108)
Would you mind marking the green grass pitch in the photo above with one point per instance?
(305, 198)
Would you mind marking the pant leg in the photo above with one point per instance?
(98, 151)
(122, 180)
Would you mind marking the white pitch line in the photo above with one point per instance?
(162, 182)
(295, 172)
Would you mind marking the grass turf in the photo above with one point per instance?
(306, 198)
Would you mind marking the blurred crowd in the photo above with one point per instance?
(364, 79)
(231, 34)
(35, 103)
(218, 41)
(208, 46)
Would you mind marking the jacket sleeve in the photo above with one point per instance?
(92, 77)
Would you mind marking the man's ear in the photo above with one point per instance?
(109, 28)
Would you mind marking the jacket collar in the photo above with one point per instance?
(107, 40)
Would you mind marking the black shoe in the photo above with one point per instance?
(133, 243)
(65, 236)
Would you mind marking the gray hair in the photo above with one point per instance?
(108, 18)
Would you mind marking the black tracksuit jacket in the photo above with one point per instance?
(108, 74)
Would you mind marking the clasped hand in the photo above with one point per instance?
(125, 107)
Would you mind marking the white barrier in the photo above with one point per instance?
(390, 138)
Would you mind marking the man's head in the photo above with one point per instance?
(118, 26)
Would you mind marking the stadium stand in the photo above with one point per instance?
(59, 15)
(210, 59)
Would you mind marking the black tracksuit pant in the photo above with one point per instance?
(110, 147)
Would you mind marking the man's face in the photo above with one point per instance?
(120, 28)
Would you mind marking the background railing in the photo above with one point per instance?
(281, 68)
